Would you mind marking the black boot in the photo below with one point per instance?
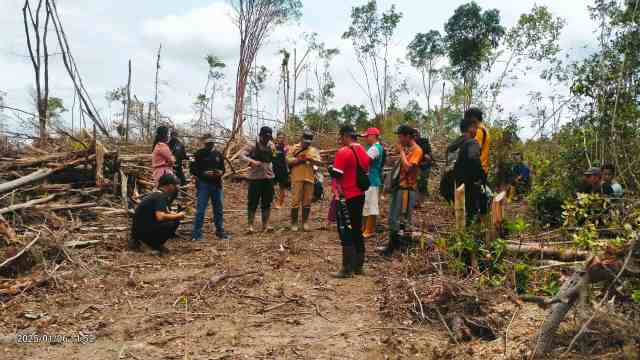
(251, 219)
(266, 215)
(306, 211)
(393, 244)
(294, 219)
(348, 261)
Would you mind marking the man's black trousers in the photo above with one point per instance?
(260, 192)
(353, 237)
(157, 235)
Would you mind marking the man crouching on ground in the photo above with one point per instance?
(153, 223)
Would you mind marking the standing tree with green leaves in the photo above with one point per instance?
(423, 53)
(535, 38)
(355, 115)
(472, 37)
(371, 34)
(255, 20)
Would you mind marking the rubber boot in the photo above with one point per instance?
(251, 219)
(266, 214)
(393, 244)
(348, 261)
(294, 219)
(359, 259)
(369, 227)
(306, 211)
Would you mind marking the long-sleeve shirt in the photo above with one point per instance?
(484, 141)
(208, 160)
(162, 161)
(468, 168)
(303, 171)
(264, 154)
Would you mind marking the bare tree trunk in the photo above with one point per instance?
(72, 70)
(126, 129)
(295, 82)
(156, 86)
(32, 26)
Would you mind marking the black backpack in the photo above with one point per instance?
(426, 150)
(362, 178)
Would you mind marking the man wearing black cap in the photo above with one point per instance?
(208, 169)
(468, 170)
(592, 181)
(346, 190)
(153, 223)
(260, 158)
(302, 157)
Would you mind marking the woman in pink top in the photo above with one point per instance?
(162, 159)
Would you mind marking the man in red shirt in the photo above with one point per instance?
(346, 190)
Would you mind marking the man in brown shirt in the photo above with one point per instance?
(260, 158)
(301, 159)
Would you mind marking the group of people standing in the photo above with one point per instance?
(356, 182)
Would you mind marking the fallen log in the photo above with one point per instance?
(57, 207)
(41, 174)
(548, 252)
(9, 260)
(26, 205)
(25, 180)
(80, 244)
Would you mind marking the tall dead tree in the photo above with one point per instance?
(126, 129)
(39, 54)
(86, 103)
(156, 115)
(255, 20)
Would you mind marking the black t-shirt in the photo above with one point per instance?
(144, 219)
(208, 160)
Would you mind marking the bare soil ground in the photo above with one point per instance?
(138, 306)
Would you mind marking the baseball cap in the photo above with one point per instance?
(593, 171)
(405, 130)
(266, 131)
(348, 130)
(371, 131)
(168, 179)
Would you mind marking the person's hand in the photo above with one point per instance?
(399, 147)
(254, 163)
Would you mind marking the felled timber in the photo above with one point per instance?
(547, 252)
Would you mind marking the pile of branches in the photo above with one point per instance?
(56, 198)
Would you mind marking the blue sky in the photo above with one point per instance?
(105, 34)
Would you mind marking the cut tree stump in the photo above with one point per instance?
(459, 205)
(497, 217)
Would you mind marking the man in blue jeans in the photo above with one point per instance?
(208, 168)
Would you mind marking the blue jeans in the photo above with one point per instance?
(205, 192)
